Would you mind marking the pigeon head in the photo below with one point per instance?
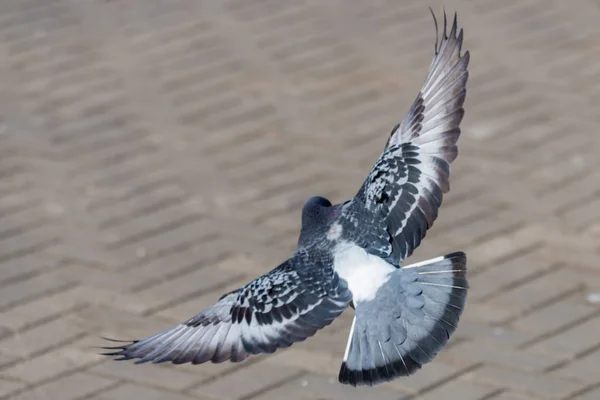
(316, 201)
(317, 215)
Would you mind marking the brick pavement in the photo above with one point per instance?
(155, 154)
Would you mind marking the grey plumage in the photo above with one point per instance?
(404, 190)
(285, 306)
(408, 323)
(352, 253)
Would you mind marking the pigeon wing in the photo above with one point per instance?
(400, 198)
(286, 305)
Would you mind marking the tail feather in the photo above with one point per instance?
(408, 322)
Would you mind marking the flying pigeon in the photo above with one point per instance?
(352, 254)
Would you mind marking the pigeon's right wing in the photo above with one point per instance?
(287, 305)
(400, 198)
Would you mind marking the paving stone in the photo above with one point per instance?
(20, 267)
(502, 276)
(316, 386)
(555, 316)
(589, 395)
(539, 291)
(583, 369)
(171, 264)
(195, 282)
(114, 323)
(9, 386)
(70, 387)
(36, 311)
(500, 336)
(575, 340)
(129, 391)
(317, 361)
(492, 314)
(480, 352)
(512, 396)
(430, 376)
(6, 359)
(254, 379)
(148, 374)
(458, 389)
(32, 288)
(60, 361)
(502, 246)
(538, 385)
(184, 310)
(40, 338)
(96, 278)
(86, 295)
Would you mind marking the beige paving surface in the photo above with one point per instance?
(155, 153)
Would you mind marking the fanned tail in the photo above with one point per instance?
(408, 322)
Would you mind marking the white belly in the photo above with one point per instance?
(364, 273)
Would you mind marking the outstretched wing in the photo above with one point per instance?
(287, 305)
(400, 199)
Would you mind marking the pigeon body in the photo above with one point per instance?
(352, 254)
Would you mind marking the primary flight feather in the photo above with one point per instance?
(353, 254)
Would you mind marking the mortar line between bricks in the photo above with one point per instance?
(478, 23)
(122, 381)
(45, 320)
(24, 136)
(104, 203)
(273, 386)
(118, 383)
(55, 346)
(196, 266)
(504, 232)
(235, 367)
(381, 54)
(162, 229)
(521, 282)
(29, 250)
(246, 46)
(53, 173)
(39, 353)
(190, 296)
(470, 193)
(576, 202)
(150, 96)
(117, 221)
(25, 228)
(558, 331)
(28, 275)
(549, 302)
(445, 230)
(494, 395)
(31, 386)
(585, 390)
(31, 298)
(17, 208)
(208, 237)
(573, 178)
(442, 382)
(508, 257)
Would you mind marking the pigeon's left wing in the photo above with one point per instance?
(399, 200)
(285, 306)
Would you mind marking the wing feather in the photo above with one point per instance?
(287, 305)
(401, 196)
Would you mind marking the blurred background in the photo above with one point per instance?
(155, 154)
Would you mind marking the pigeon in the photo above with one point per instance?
(352, 254)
